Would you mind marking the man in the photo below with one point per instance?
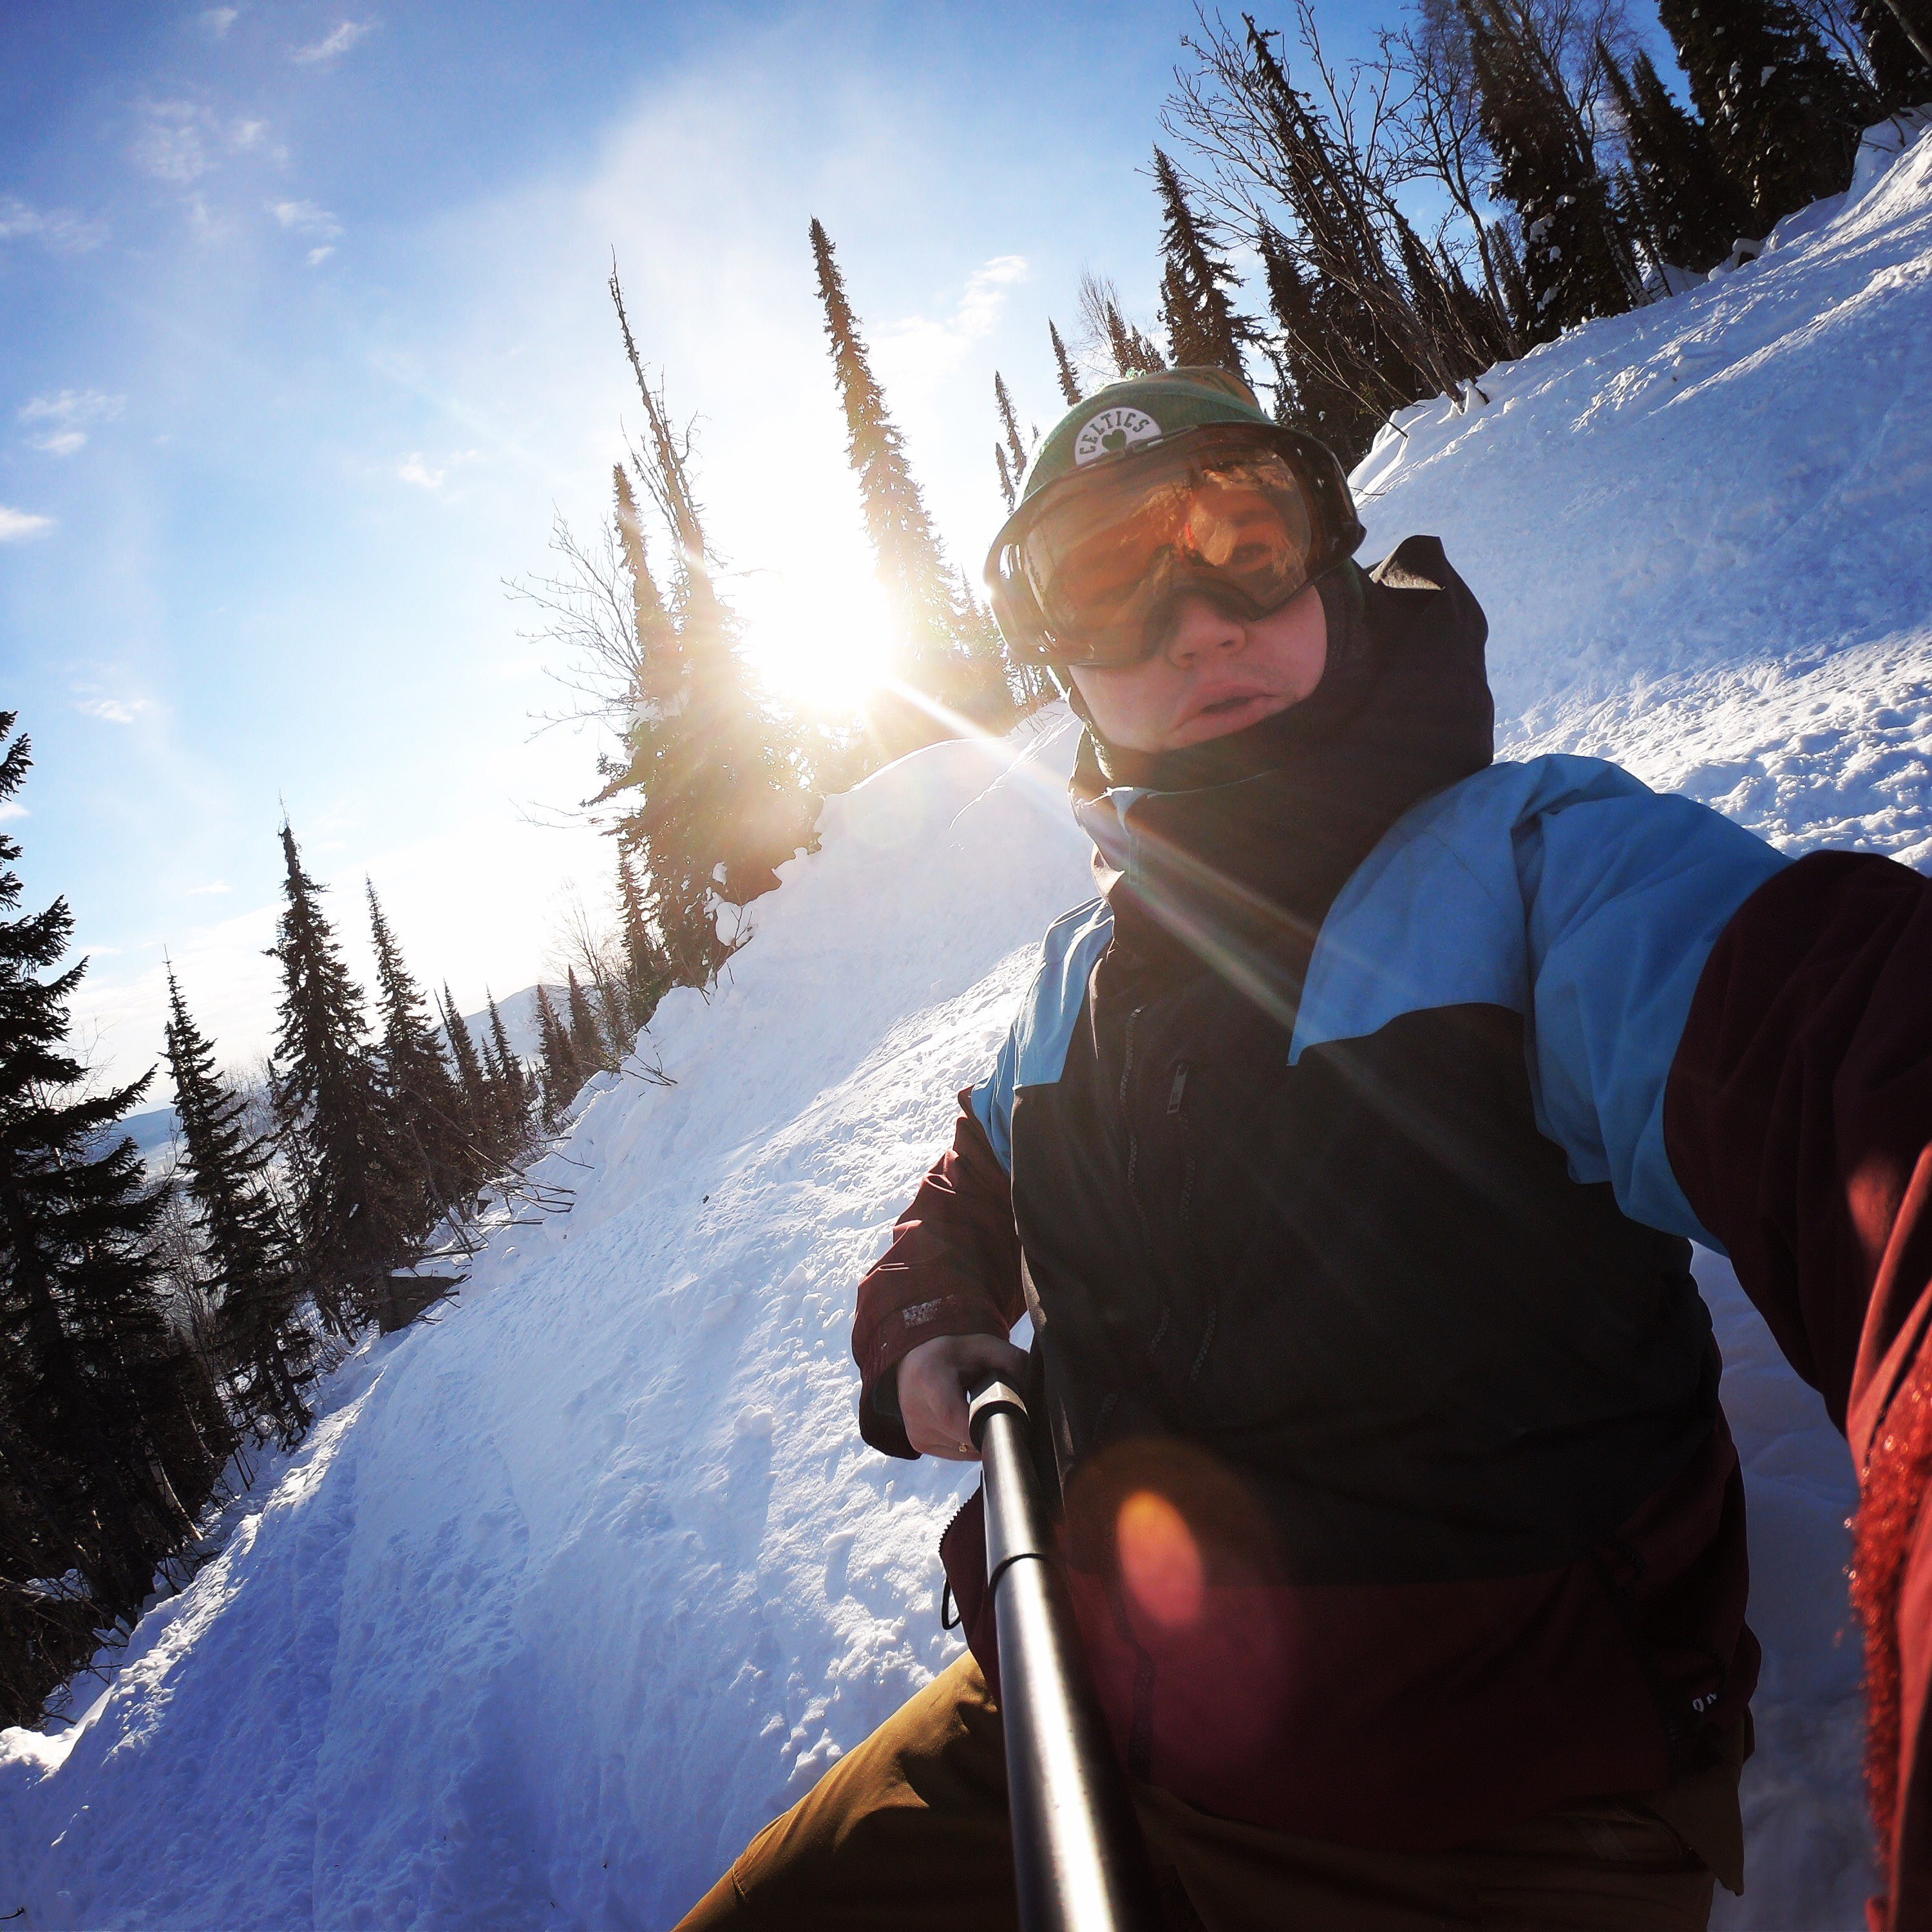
(1345, 1154)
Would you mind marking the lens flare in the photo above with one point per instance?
(821, 644)
(1160, 1560)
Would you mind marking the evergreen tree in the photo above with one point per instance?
(1355, 327)
(360, 1217)
(562, 1074)
(1009, 494)
(112, 1432)
(513, 1107)
(425, 1103)
(1783, 114)
(1316, 389)
(1576, 262)
(721, 798)
(1508, 262)
(1483, 325)
(1130, 351)
(1434, 298)
(1693, 210)
(950, 650)
(646, 972)
(1063, 366)
(1898, 36)
(267, 1351)
(1203, 331)
(587, 1044)
(479, 1114)
(1017, 446)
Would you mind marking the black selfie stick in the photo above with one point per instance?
(1079, 1856)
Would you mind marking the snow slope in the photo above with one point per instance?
(577, 1584)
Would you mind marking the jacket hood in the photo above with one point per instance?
(1227, 854)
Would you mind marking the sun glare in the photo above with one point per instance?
(824, 644)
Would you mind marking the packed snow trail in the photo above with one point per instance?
(575, 1586)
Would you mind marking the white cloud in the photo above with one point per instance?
(112, 710)
(919, 351)
(169, 145)
(216, 21)
(12, 808)
(317, 256)
(414, 471)
(66, 417)
(331, 45)
(58, 228)
(304, 217)
(985, 296)
(248, 134)
(16, 525)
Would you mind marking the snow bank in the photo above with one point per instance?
(576, 1585)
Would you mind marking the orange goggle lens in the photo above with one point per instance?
(1082, 579)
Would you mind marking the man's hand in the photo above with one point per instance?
(932, 1383)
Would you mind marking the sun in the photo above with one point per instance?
(821, 643)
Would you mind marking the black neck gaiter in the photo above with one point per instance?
(1239, 845)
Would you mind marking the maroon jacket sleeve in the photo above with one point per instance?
(1798, 1120)
(953, 1269)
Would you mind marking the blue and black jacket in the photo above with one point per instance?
(1347, 1151)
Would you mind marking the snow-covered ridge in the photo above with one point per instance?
(575, 1585)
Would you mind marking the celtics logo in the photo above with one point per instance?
(1113, 433)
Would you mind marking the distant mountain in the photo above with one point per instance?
(520, 1021)
(151, 1132)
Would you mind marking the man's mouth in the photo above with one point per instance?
(1225, 703)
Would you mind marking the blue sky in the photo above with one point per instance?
(307, 341)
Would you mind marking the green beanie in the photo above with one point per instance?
(1128, 415)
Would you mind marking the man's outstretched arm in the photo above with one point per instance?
(1799, 1120)
(952, 1271)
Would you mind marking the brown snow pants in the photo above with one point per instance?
(908, 1833)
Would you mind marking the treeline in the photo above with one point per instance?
(150, 1330)
(1572, 185)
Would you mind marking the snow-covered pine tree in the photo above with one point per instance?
(360, 1215)
(1203, 329)
(562, 1076)
(1784, 115)
(111, 1431)
(1063, 366)
(1576, 262)
(949, 651)
(1691, 207)
(425, 1101)
(266, 1350)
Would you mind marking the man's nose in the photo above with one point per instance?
(1198, 629)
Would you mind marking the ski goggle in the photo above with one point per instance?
(1243, 513)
